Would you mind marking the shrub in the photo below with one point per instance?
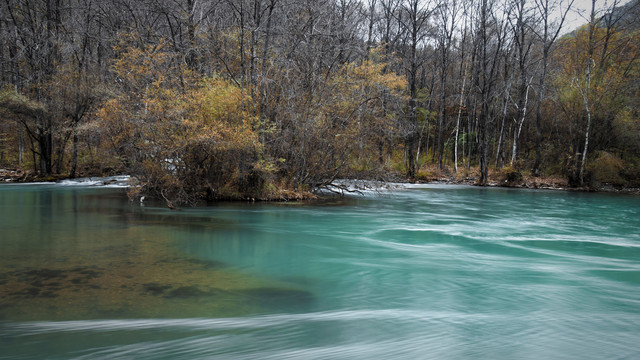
(607, 168)
(510, 175)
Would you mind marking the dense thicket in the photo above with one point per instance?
(256, 98)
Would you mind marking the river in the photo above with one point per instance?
(425, 272)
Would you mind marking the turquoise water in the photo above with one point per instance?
(429, 272)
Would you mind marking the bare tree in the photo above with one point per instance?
(413, 18)
(549, 34)
(447, 20)
(593, 71)
(523, 42)
(491, 33)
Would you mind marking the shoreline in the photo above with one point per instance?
(532, 183)
(9, 176)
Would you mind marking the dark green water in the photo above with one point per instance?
(433, 272)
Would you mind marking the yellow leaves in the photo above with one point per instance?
(360, 94)
(351, 116)
(596, 68)
(607, 168)
(220, 99)
(218, 115)
(115, 122)
(13, 103)
(608, 49)
(369, 75)
(160, 109)
(144, 69)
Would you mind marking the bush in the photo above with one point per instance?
(607, 168)
(631, 172)
(510, 175)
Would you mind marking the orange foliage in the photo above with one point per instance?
(183, 139)
(218, 114)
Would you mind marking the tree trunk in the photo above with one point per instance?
(516, 132)
(586, 91)
(20, 146)
(501, 139)
(538, 160)
(455, 147)
(586, 144)
(44, 140)
(263, 67)
(74, 161)
(545, 10)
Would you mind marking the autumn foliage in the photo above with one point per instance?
(184, 139)
(245, 99)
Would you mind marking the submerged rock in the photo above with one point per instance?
(186, 292)
(155, 288)
(43, 274)
(273, 297)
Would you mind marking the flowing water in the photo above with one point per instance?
(428, 272)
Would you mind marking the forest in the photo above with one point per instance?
(276, 99)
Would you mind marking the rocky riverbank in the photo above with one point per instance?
(7, 175)
(506, 179)
(463, 177)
